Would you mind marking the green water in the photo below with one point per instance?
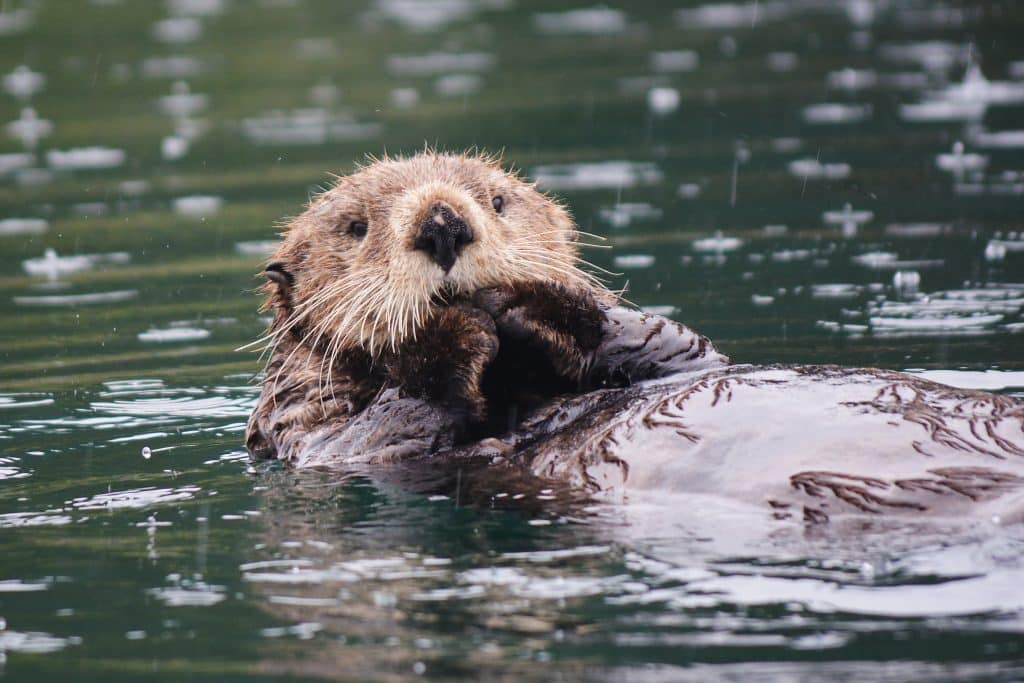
(218, 118)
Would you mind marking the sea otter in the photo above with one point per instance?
(433, 306)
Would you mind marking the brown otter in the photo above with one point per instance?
(434, 303)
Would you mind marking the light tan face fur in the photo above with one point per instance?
(375, 291)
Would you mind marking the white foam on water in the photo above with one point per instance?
(178, 406)
(19, 586)
(427, 15)
(23, 226)
(197, 206)
(840, 290)
(587, 21)
(782, 62)
(52, 266)
(852, 80)
(200, 8)
(172, 66)
(13, 520)
(1005, 139)
(633, 261)
(813, 169)
(933, 55)
(674, 61)
(917, 229)
(436, 63)
(34, 642)
(623, 214)
(29, 128)
(181, 102)
(85, 158)
(23, 82)
(90, 299)
(731, 15)
(133, 499)
(15, 161)
(598, 175)
(313, 126)
(404, 98)
(663, 100)
(831, 113)
(936, 110)
(15, 20)
(260, 248)
(193, 594)
(458, 85)
(717, 244)
(178, 30)
(174, 334)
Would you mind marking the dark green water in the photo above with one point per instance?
(738, 125)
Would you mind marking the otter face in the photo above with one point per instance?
(370, 258)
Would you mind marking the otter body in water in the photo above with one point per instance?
(432, 306)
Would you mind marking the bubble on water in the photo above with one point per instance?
(147, 453)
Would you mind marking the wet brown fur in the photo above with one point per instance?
(354, 316)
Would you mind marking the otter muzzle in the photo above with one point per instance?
(442, 235)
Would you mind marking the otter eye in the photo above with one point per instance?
(358, 229)
(498, 203)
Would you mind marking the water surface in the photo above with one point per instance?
(801, 182)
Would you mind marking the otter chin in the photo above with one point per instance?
(433, 308)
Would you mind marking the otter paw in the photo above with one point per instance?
(447, 360)
(567, 324)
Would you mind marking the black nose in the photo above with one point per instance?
(442, 234)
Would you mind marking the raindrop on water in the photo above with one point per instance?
(147, 453)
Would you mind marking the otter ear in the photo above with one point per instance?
(278, 275)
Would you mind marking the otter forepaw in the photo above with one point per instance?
(447, 360)
(566, 323)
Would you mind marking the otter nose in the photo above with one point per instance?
(442, 234)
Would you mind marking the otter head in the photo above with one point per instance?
(371, 257)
